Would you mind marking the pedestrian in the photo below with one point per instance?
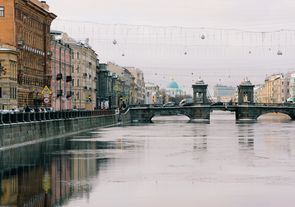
(27, 109)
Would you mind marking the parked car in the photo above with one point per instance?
(186, 102)
(217, 104)
(169, 104)
(4, 111)
(12, 111)
(49, 109)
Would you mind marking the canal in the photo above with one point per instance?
(168, 163)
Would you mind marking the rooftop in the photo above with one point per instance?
(173, 85)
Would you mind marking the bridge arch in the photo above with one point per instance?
(152, 115)
(290, 115)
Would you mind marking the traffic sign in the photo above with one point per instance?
(46, 90)
(46, 100)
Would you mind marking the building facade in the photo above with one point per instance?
(127, 82)
(223, 93)
(61, 71)
(152, 94)
(291, 88)
(8, 77)
(26, 26)
(84, 60)
(106, 98)
(272, 91)
(139, 88)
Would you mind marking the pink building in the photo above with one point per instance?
(61, 68)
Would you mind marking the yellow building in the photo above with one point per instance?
(8, 77)
(272, 91)
(139, 85)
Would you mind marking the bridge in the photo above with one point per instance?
(202, 112)
(245, 108)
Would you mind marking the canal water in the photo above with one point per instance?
(168, 163)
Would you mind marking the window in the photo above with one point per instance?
(1, 11)
(0, 92)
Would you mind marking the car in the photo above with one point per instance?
(49, 109)
(4, 111)
(217, 104)
(169, 104)
(186, 102)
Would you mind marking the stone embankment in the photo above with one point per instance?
(26, 128)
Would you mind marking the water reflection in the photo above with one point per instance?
(48, 174)
(200, 137)
(246, 136)
(167, 163)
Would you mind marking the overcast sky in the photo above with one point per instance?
(258, 15)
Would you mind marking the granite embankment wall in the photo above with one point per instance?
(23, 133)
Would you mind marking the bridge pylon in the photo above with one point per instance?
(200, 93)
(246, 93)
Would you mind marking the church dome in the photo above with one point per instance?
(173, 85)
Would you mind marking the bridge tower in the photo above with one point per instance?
(245, 93)
(200, 92)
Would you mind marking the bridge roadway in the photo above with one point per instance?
(202, 112)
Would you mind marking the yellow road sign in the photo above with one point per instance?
(46, 90)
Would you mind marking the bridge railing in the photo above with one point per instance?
(19, 117)
(291, 105)
(145, 106)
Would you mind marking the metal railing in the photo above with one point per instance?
(11, 118)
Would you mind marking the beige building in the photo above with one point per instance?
(129, 94)
(8, 77)
(272, 91)
(139, 85)
(84, 60)
(152, 94)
